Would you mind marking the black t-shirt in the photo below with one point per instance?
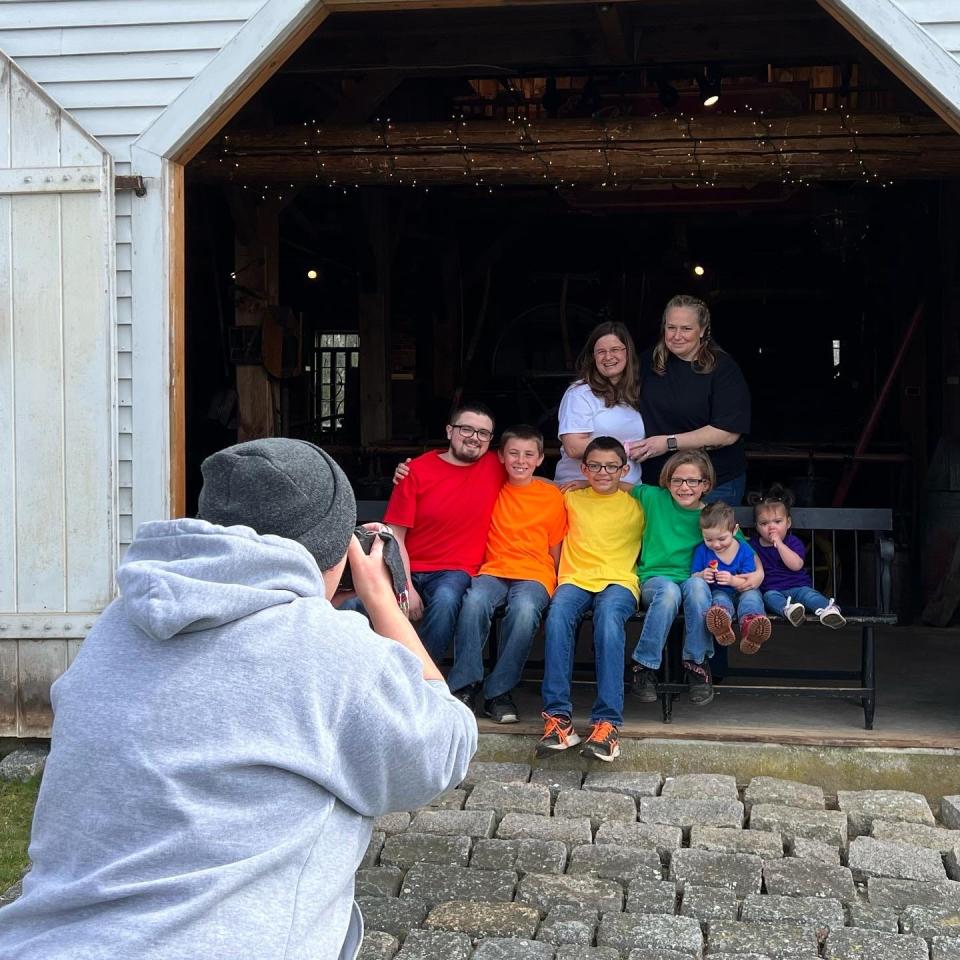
(683, 400)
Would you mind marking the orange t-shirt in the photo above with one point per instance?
(527, 520)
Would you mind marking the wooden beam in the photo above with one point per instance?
(617, 34)
(363, 96)
(177, 398)
(705, 149)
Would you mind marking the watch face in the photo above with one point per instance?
(671, 443)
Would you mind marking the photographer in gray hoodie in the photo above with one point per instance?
(225, 736)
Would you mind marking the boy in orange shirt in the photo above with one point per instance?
(519, 571)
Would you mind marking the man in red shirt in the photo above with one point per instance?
(441, 516)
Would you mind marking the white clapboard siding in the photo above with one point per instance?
(58, 426)
(940, 19)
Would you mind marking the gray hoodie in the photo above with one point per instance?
(220, 745)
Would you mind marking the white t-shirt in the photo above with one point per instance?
(582, 411)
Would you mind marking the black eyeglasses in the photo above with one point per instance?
(595, 467)
(691, 482)
(484, 436)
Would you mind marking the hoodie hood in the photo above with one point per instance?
(182, 576)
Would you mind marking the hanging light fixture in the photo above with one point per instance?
(667, 92)
(709, 83)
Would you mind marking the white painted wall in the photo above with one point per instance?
(939, 18)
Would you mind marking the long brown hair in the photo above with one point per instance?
(627, 389)
(706, 359)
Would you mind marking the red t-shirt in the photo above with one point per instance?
(447, 510)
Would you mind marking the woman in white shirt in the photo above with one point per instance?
(603, 402)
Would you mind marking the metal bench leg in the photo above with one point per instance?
(868, 675)
(666, 698)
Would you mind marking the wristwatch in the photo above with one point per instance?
(672, 444)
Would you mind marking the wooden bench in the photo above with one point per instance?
(851, 551)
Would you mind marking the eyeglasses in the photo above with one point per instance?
(612, 352)
(484, 436)
(595, 467)
(691, 482)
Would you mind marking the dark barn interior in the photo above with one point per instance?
(430, 205)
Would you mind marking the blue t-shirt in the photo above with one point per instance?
(743, 562)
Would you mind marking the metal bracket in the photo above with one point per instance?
(134, 183)
(39, 626)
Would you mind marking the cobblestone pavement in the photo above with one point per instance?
(525, 863)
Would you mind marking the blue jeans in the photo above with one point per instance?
(748, 604)
(730, 491)
(442, 593)
(661, 598)
(812, 599)
(612, 607)
(525, 602)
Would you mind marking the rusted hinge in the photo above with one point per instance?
(134, 183)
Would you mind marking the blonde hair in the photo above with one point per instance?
(697, 458)
(705, 360)
(627, 389)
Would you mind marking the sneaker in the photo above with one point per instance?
(830, 616)
(720, 626)
(558, 734)
(755, 631)
(699, 682)
(603, 742)
(501, 709)
(794, 612)
(468, 696)
(643, 686)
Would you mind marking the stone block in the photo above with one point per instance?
(784, 793)
(862, 807)
(24, 763)
(496, 948)
(557, 780)
(449, 800)
(583, 892)
(827, 826)
(763, 843)
(406, 849)
(791, 877)
(657, 836)
(708, 903)
(817, 912)
(435, 883)
(455, 823)
(858, 944)
(950, 812)
(776, 940)
(378, 882)
(484, 919)
(740, 872)
(524, 856)
(637, 931)
(951, 861)
(392, 915)
(378, 945)
(615, 862)
(569, 925)
(633, 784)
(945, 948)
(916, 835)
(870, 917)
(527, 826)
(599, 806)
(684, 813)
(371, 856)
(13, 892)
(814, 850)
(391, 823)
(696, 786)
(571, 952)
(886, 892)
(435, 945)
(930, 922)
(655, 954)
(480, 771)
(656, 897)
(505, 798)
(868, 857)
(757, 956)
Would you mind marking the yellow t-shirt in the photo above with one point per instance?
(604, 533)
(527, 520)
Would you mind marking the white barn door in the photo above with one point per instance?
(57, 395)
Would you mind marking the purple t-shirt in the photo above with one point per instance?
(776, 575)
(743, 562)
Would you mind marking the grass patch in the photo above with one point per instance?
(16, 815)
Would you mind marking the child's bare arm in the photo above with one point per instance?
(791, 559)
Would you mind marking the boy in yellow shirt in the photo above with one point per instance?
(519, 572)
(598, 572)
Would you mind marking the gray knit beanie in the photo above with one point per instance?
(290, 488)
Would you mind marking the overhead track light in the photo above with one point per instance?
(667, 92)
(709, 84)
